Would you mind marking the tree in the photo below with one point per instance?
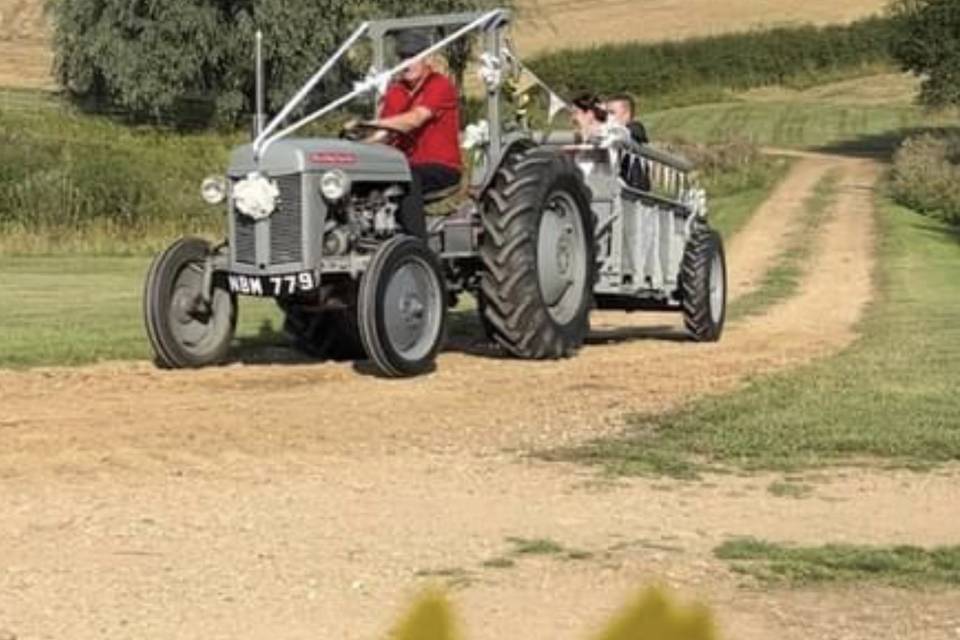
(927, 42)
(162, 60)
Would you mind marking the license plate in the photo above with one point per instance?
(274, 286)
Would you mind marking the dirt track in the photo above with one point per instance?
(302, 501)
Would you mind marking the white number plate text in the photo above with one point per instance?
(274, 286)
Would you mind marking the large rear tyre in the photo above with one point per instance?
(538, 256)
(703, 286)
(184, 330)
(402, 308)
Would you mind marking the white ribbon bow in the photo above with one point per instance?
(476, 135)
(491, 70)
(256, 196)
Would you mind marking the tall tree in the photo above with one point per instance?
(927, 42)
(151, 58)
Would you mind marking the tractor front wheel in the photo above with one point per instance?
(186, 328)
(402, 307)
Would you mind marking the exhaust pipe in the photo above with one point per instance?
(260, 118)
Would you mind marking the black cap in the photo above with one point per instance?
(410, 43)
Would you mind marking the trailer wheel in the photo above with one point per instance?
(538, 257)
(703, 286)
(402, 307)
(326, 335)
(184, 330)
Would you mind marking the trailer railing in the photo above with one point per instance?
(671, 176)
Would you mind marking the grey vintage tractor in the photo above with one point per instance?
(548, 231)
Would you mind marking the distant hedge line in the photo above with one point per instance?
(699, 66)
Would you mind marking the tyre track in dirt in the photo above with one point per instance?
(134, 415)
(312, 501)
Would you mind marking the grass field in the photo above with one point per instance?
(26, 61)
(71, 182)
(72, 310)
(788, 123)
(25, 56)
(892, 397)
(555, 24)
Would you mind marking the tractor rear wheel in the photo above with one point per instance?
(402, 307)
(538, 256)
(703, 285)
(184, 329)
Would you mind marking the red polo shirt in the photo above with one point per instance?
(438, 140)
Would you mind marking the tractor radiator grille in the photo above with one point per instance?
(286, 223)
(245, 242)
(286, 227)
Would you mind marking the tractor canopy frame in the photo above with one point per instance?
(490, 24)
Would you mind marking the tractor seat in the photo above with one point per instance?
(441, 194)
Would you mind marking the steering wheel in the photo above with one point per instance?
(359, 131)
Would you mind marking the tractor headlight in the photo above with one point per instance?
(334, 184)
(214, 190)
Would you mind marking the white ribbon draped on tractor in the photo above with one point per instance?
(476, 135)
(374, 81)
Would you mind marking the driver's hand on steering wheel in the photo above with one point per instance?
(375, 135)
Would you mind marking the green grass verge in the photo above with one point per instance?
(891, 397)
(57, 311)
(731, 210)
(783, 277)
(902, 566)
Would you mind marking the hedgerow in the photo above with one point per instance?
(926, 175)
(699, 69)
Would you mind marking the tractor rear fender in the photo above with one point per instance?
(513, 144)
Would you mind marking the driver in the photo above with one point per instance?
(423, 104)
